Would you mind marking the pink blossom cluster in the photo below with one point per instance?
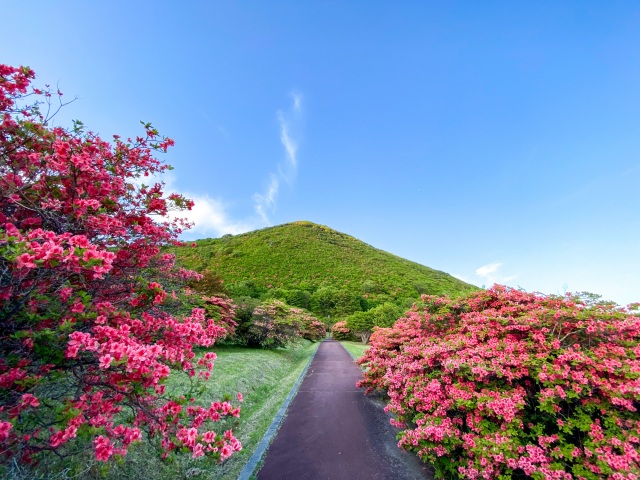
(508, 383)
(340, 331)
(88, 330)
(274, 324)
(310, 327)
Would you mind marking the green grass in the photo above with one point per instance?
(356, 349)
(264, 378)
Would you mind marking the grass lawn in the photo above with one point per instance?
(356, 349)
(263, 377)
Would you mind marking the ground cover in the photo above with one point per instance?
(356, 349)
(263, 376)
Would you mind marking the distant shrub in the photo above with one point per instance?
(273, 326)
(312, 328)
(362, 324)
(334, 302)
(275, 293)
(314, 331)
(244, 307)
(209, 284)
(298, 298)
(245, 288)
(507, 384)
(369, 286)
(339, 331)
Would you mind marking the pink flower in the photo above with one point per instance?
(75, 213)
(26, 260)
(77, 307)
(198, 451)
(65, 293)
(105, 361)
(103, 447)
(209, 437)
(29, 400)
(5, 428)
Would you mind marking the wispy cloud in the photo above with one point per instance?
(489, 274)
(288, 143)
(266, 202)
(486, 270)
(209, 216)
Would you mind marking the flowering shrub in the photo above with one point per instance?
(86, 336)
(310, 327)
(274, 326)
(507, 384)
(314, 330)
(339, 331)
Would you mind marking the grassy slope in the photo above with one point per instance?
(264, 377)
(305, 255)
(356, 349)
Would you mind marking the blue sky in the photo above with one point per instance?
(496, 141)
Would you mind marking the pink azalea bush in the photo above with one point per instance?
(311, 328)
(87, 337)
(340, 331)
(315, 330)
(508, 384)
(274, 325)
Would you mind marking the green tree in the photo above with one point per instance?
(346, 303)
(298, 298)
(334, 302)
(363, 323)
(246, 288)
(323, 301)
(244, 307)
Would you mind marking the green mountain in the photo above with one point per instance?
(301, 261)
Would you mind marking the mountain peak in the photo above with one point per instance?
(303, 255)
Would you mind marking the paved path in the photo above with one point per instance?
(333, 432)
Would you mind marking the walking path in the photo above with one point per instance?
(333, 432)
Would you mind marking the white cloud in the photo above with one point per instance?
(488, 274)
(209, 216)
(297, 101)
(288, 143)
(485, 270)
(265, 203)
(508, 279)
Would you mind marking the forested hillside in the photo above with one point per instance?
(315, 267)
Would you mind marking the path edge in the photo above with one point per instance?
(263, 445)
(350, 354)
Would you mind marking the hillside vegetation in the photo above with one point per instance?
(315, 267)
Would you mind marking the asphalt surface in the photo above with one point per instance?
(332, 431)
